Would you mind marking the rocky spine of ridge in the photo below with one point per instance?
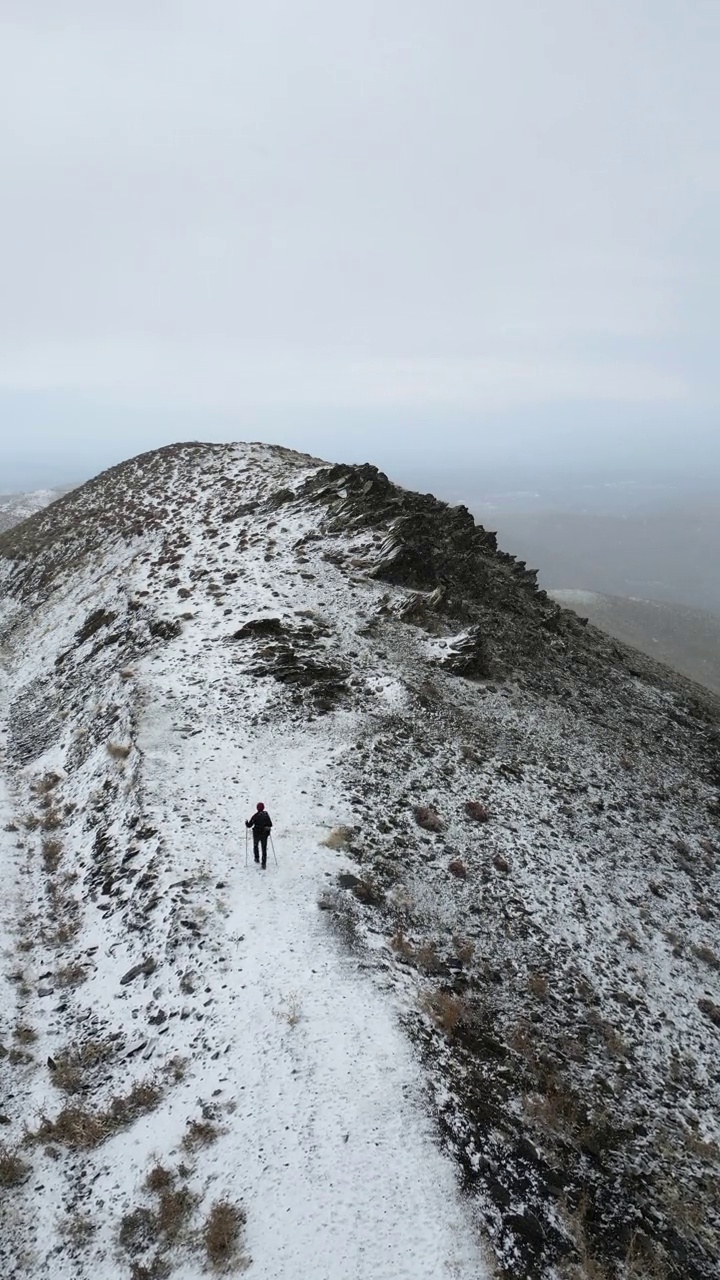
(532, 835)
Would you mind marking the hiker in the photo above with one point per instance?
(260, 824)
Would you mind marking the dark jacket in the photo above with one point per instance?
(260, 821)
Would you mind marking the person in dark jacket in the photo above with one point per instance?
(260, 825)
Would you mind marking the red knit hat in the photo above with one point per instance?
(261, 806)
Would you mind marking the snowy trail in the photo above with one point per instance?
(336, 1162)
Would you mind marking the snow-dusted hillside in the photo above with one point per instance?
(15, 507)
(475, 998)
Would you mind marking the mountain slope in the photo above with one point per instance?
(519, 892)
(15, 507)
(686, 639)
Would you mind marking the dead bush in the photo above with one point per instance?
(159, 1178)
(13, 1170)
(118, 750)
(446, 1010)
(222, 1235)
(464, 950)
(708, 957)
(369, 893)
(70, 1068)
(25, 1035)
(427, 817)
(47, 783)
(174, 1211)
(401, 944)
(478, 812)
(81, 1130)
(51, 853)
(538, 986)
(457, 869)
(200, 1133)
(339, 838)
(51, 819)
(72, 975)
(427, 958)
(31, 822)
(138, 1230)
(76, 1229)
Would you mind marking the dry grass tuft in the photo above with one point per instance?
(72, 975)
(427, 817)
(464, 950)
(51, 853)
(13, 1170)
(200, 1133)
(159, 1178)
(25, 1035)
(81, 1130)
(708, 957)
(446, 1010)
(538, 986)
(339, 838)
(174, 1211)
(222, 1234)
(369, 893)
(71, 1065)
(478, 812)
(401, 944)
(76, 1229)
(118, 750)
(457, 869)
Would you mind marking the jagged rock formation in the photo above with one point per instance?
(525, 861)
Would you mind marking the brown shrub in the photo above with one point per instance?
(13, 1170)
(200, 1133)
(159, 1179)
(339, 838)
(401, 944)
(51, 819)
(708, 956)
(369, 893)
(478, 812)
(25, 1035)
(538, 985)
(72, 975)
(70, 1066)
(446, 1010)
(76, 1229)
(138, 1230)
(428, 817)
(174, 1211)
(464, 950)
(79, 1129)
(222, 1235)
(52, 853)
(457, 869)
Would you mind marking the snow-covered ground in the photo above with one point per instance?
(15, 507)
(281, 1039)
(203, 628)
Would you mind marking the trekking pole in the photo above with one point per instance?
(272, 844)
(246, 847)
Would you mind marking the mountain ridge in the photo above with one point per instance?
(520, 819)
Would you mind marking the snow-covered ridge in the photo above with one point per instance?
(525, 821)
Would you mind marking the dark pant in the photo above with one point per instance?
(260, 839)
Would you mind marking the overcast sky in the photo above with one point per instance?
(358, 225)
